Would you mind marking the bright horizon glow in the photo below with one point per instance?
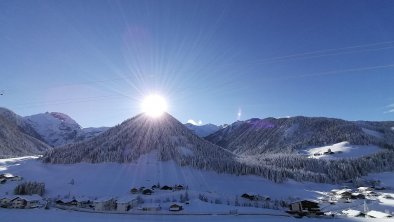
(154, 105)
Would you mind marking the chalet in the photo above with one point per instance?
(147, 192)
(353, 213)
(344, 194)
(165, 187)
(126, 203)
(83, 202)
(6, 201)
(378, 214)
(8, 176)
(150, 207)
(176, 207)
(247, 196)
(32, 201)
(179, 187)
(305, 207)
(104, 204)
(18, 203)
(134, 190)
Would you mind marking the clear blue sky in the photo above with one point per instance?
(95, 60)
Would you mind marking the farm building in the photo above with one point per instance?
(176, 207)
(305, 207)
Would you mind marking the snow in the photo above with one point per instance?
(352, 213)
(21, 215)
(378, 214)
(342, 150)
(114, 179)
(58, 129)
(373, 133)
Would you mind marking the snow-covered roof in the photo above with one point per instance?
(378, 214)
(344, 191)
(352, 213)
(33, 197)
(82, 199)
(364, 188)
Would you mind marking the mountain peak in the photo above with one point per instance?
(141, 135)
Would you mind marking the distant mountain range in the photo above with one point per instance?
(289, 135)
(203, 130)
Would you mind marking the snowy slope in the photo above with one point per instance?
(289, 135)
(202, 130)
(341, 150)
(17, 139)
(58, 129)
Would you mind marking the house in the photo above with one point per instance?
(378, 214)
(176, 207)
(247, 196)
(179, 187)
(150, 207)
(32, 201)
(83, 202)
(19, 203)
(353, 213)
(5, 201)
(67, 202)
(344, 193)
(126, 203)
(305, 207)
(8, 176)
(165, 187)
(134, 190)
(104, 204)
(147, 192)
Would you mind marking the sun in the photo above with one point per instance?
(154, 105)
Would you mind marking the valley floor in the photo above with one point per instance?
(115, 180)
(15, 215)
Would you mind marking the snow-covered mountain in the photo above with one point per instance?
(18, 138)
(289, 135)
(58, 129)
(203, 130)
(166, 137)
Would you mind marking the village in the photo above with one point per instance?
(173, 199)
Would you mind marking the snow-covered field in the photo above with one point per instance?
(67, 216)
(113, 179)
(341, 150)
(116, 180)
